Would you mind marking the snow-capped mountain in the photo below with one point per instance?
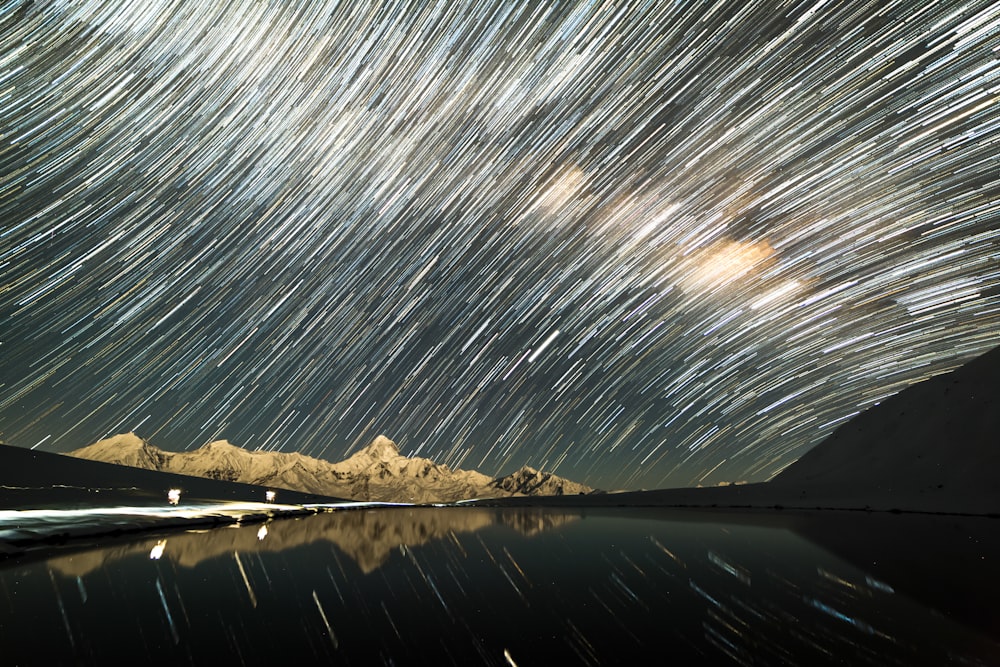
(378, 472)
(530, 482)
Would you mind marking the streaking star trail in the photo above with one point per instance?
(639, 244)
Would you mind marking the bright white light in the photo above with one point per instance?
(262, 533)
(157, 550)
(269, 496)
(174, 496)
(541, 348)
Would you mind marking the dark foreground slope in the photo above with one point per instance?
(934, 447)
(36, 480)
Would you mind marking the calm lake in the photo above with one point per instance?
(469, 586)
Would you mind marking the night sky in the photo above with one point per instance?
(639, 244)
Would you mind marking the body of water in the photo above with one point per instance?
(522, 587)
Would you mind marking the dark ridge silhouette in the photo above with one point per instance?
(40, 480)
(933, 447)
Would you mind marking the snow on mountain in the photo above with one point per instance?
(376, 473)
(380, 450)
(530, 482)
(125, 449)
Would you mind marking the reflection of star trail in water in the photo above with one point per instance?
(297, 225)
(593, 589)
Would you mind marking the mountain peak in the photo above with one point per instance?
(220, 444)
(122, 442)
(529, 481)
(123, 449)
(382, 449)
(130, 439)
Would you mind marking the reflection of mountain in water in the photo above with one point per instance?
(534, 522)
(368, 537)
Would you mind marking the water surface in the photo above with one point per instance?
(509, 586)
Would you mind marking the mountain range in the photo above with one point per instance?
(379, 472)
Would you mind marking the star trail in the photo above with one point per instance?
(640, 244)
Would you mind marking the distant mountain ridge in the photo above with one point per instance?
(376, 473)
